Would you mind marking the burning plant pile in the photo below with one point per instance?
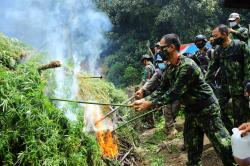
(35, 132)
(103, 131)
(32, 130)
(116, 146)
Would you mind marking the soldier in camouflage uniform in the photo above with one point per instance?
(236, 31)
(233, 59)
(188, 85)
(148, 72)
(200, 57)
(155, 83)
(149, 69)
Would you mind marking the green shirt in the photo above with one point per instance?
(147, 73)
(234, 63)
(185, 82)
(241, 34)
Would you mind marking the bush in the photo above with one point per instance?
(32, 130)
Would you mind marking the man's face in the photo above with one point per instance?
(166, 48)
(233, 23)
(219, 38)
(200, 44)
(216, 33)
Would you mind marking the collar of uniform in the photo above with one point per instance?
(177, 62)
(229, 45)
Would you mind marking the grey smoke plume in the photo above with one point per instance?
(66, 28)
(72, 31)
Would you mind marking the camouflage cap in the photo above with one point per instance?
(157, 44)
(200, 38)
(146, 56)
(233, 16)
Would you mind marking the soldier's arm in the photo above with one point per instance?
(242, 34)
(144, 77)
(152, 84)
(180, 86)
(148, 73)
(246, 50)
(212, 68)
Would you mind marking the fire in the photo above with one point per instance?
(103, 130)
(107, 143)
(106, 140)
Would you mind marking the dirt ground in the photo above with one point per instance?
(160, 150)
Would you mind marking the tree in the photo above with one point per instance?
(136, 21)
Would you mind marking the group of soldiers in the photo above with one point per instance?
(213, 87)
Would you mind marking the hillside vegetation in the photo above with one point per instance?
(135, 22)
(32, 130)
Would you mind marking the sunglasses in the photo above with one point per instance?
(164, 47)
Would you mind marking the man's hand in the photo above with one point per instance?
(142, 105)
(139, 94)
(232, 30)
(244, 128)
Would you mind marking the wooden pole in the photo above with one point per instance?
(88, 102)
(133, 119)
(114, 110)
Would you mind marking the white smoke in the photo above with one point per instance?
(92, 114)
(72, 31)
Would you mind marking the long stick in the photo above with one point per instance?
(148, 46)
(114, 110)
(100, 77)
(88, 102)
(133, 119)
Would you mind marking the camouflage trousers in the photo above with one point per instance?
(234, 113)
(207, 121)
(170, 112)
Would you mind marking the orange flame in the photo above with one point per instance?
(106, 141)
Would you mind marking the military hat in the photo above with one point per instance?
(233, 16)
(200, 38)
(146, 56)
(157, 44)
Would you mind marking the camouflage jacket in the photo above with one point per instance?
(201, 59)
(147, 73)
(234, 64)
(154, 82)
(184, 82)
(241, 34)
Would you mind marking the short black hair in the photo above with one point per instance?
(223, 29)
(173, 39)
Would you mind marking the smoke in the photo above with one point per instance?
(68, 29)
(92, 115)
(72, 31)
